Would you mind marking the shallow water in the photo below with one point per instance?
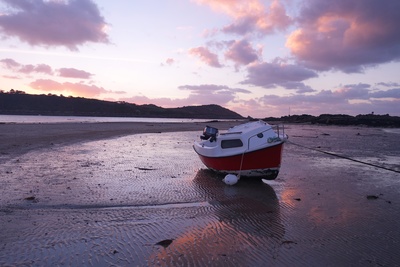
(146, 200)
(83, 119)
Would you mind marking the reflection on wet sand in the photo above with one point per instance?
(142, 200)
(245, 220)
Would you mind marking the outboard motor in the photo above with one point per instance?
(209, 133)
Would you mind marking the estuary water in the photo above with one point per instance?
(75, 119)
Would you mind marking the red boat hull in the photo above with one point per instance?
(254, 163)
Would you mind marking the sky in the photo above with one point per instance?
(259, 58)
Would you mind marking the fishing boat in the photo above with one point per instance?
(251, 149)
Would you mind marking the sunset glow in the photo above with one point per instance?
(258, 58)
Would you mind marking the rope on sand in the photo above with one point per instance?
(344, 157)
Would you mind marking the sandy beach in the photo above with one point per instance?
(135, 194)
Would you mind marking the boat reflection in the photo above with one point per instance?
(241, 225)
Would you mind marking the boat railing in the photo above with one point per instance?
(279, 129)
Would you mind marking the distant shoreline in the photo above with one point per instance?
(17, 102)
(372, 120)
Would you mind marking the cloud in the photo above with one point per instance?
(346, 35)
(168, 62)
(54, 23)
(211, 94)
(10, 63)
(74, 73)
(389, 84)
(43, 68)
(11, 77)
(199, 95)
(162, 101)
(40, 68)
(78, 89)
(278, 73)
(251, 15)
(298, 86)
(305, 104)
(119, 92)
(348, 99)
(242, 53)
(354, 91)
(391, 93)
(26, 69)
(207, 88)
(206, 56)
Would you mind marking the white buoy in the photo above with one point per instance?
(230, 179)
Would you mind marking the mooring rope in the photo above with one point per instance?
(343, 157)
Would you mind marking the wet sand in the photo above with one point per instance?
(16, 139)
(102, 195)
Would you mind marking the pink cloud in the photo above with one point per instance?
(40, 68)
(10, 77)
(242, 53)
(298, 86)
(119, 92)
(346, 35)
(323, 102)
(199, 95)
(206, 56)
(78, 89)
(277, 73)
(26, 69)
(162, 101)
(210, 88)
(354, 91)
(348, 99)
(170, 61)
(343, 99)
(44, 68)
(54, 23)
(391, 93)
(74, 73)
(10, 63)
(47, 85)
(251, 15)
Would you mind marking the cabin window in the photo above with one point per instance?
(231, 143)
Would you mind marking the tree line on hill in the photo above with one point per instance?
(17, 102)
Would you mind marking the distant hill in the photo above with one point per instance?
(20, 103)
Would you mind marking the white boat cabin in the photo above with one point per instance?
(239, 139)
